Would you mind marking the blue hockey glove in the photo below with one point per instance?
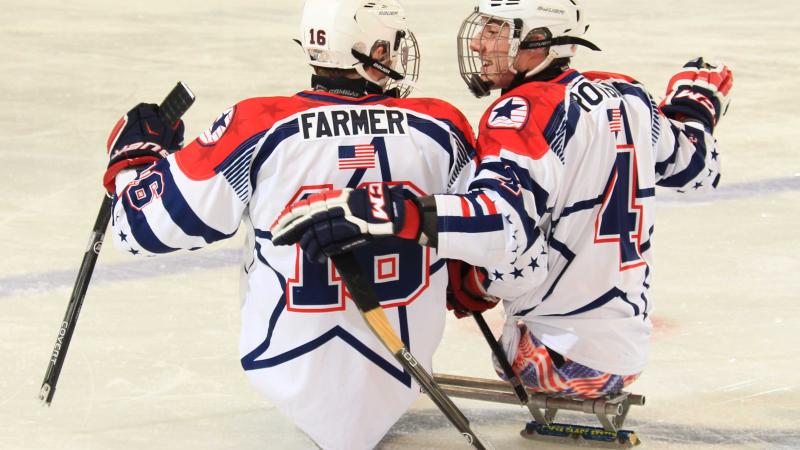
(701, 91)
(138, 139)
(338, 221)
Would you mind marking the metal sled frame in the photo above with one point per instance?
(611, 411)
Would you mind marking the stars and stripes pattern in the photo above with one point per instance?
(509, 113)
(477, 204)
(615, 122)
(213, 134)
(357, 157)
(538, 372)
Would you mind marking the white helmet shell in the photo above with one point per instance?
(331, 29)
(560, 17)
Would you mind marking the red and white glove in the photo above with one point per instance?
(339, 221)
(701, 91)
(466, 293)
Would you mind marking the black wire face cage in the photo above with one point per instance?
(407, 62)
(478, 30)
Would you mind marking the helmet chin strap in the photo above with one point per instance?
(366, 61)
(520, 77)
(551, 55)
(542, 66)
(548, 73)
(363, 73)
(561, 40)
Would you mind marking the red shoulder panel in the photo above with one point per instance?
(607, 76)
(248, 118)
(515, 122)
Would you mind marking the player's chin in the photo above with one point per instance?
(486, 72)
(490, 78)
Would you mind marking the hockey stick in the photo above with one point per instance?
(172, 108)
(500, 355)
(367, 302)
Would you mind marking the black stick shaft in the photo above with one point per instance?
(172, 108)
(75, 302)
(501, 356)
(367, 301)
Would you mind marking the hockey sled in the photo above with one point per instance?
(611, 411)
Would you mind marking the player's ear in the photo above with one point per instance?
(380, 52)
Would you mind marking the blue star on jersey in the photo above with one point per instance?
(509, 113)
(212, 135)
(505, 110)
(220, 122)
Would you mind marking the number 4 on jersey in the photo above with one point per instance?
(620, 218)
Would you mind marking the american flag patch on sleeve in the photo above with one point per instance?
(615, 120)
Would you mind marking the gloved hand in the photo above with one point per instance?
(701, 91)
(466, 293)
(140, 138)
(338, 221)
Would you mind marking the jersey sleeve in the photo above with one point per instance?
(498, 222)
(687, 158)
(192, 198)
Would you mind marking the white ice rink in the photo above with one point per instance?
(154, 362)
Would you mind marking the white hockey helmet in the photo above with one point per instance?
(342, 34)
(562, 22)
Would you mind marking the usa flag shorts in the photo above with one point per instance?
(564, 378)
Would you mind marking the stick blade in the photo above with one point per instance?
(580, 435)
(46, 394)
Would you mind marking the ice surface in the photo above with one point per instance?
(154, 360)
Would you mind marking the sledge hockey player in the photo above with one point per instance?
(304, 346)
(559, 219)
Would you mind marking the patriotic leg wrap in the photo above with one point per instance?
(539, 373)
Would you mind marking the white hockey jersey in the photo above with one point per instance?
(562, 211)
(302, 343)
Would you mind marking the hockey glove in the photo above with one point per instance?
(466, 293)
(699, 92)
(338, 221)
(140, 138)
